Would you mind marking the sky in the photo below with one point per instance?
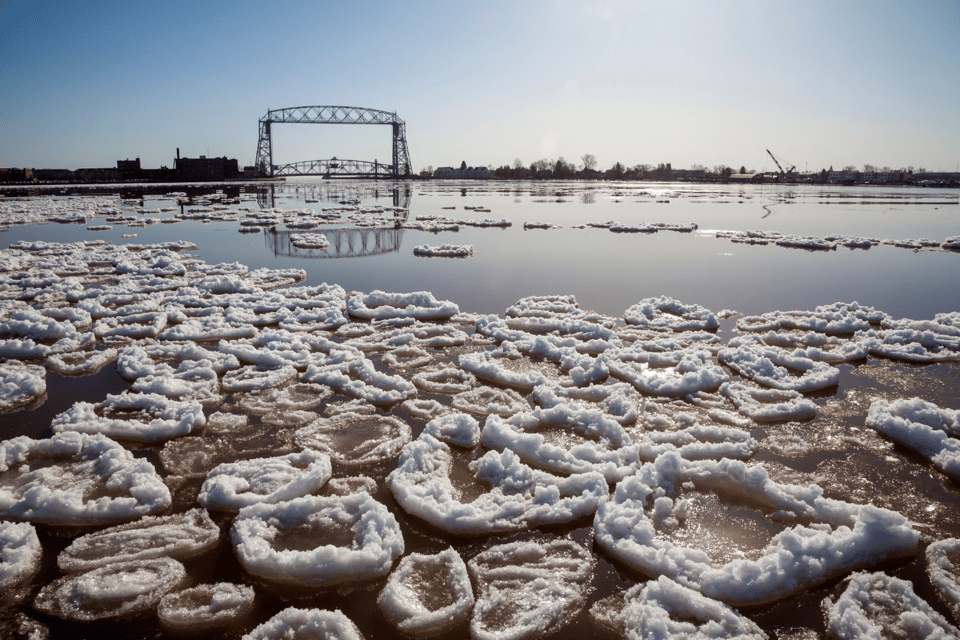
(821, 84)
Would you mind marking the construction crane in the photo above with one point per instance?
(783, 173)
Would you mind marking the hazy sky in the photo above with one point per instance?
(83, 84)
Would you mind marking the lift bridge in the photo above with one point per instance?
(401, 166)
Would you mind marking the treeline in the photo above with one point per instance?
(561, 169)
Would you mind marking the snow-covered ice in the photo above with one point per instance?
(427, 594)
(943, 567)
(306, 624)
(353, 439)
(205, 607)
(234, 485)
(923, 427)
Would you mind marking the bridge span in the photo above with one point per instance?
(400, 167)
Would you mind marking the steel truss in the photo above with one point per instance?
(332, 115)
(335, 168)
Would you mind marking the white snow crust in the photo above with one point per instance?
(333, 540)
(234, 485)
(922, 426)
(306, 624)
(944, 572)
(145, 417)
(352, 439)
(19, 553)
(205, 607)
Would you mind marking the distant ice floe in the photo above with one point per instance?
(650, 523)
(306, 623)
(317, 542)
(205, 607)
(419, 304)
(232, 486)
(875, 605)
(178, 536)
(112, 591)
(144, 417)
(353, 439)
(515, 496)
(444, 250)
(309, 240)
(427, 594)
(529, 589)
(75, 479)
(944, 571)
(663, 608)
(922, 426)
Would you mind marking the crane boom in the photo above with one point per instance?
(783, 171)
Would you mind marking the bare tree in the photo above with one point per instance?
(589, 161)
(518, 163)
(869, 167)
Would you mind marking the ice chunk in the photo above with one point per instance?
(205, 607)
(144, 417)
(352, 439)
(489, 400)
(407, 357)
(876, 605)
(194, 457)
(772, 366)
(457, 429)
(75, 479)
(444, 250)
(651, 523)
(232, 486)
(419, 304)
(663, 608)
(309, 240)
(111, 591)
(943, 558)
(19, 557)
(425, 409)
(923, 427)
(358, 377)
(257, 378)
(299, 396)
(694, 372)
(179, 536)
(487, 366)
(518, 496)
(20, 384)
(80, 363)
(317, 541)
(769, 405)
(303, 624)
(445, 380)
(667, 314)
(529, 589)
(566, 438)
(427, 594)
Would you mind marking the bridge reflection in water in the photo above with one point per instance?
(401, 195)
(344, 243)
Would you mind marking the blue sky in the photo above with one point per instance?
(822, 84)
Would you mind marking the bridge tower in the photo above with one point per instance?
(332, 115)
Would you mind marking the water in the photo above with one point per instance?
(607, 272)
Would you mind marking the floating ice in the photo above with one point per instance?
(178, 536)
(529, 589)
(695, 372)
(444, 250)
(769, 405)
(486, 366)
(309, 240)
(297, 624)
(427, 594)
(664, 609)
(407, 357)
(643, 525)
(19, 555)
(145, 417)
(75, 479)
(876, 605)
(232, 486)
(806, 242)
(425, 409)
(257, 378)
(488, 400)
(205, 607)
(518, 497)
(667, 314)
(358, 377)
(912, 345)
(769, 366)
(207, 328)
(112, 591)
(419, 304)
(299, 396)
(566, 439)
(20, 384)
(923, 427)
(458, 429)
(317, 541)
(79, 363)
(944, 572)
(352, 439)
